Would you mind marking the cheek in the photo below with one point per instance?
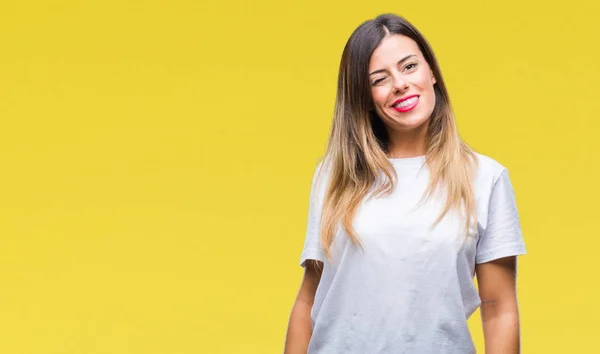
(426, 83)
(431, 91)
(379, 95)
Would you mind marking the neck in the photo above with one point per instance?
(411, 143)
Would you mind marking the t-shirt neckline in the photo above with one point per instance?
(407, 161)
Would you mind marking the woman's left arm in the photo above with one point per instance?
(499, 307)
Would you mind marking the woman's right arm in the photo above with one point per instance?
(300, 326)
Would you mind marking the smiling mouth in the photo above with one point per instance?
(406, 103)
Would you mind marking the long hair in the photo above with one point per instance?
(355, 156)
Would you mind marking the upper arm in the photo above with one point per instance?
(496, 281)
(310, 281)
(502, 235)
(313, 249)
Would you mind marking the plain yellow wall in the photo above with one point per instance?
(156, 159)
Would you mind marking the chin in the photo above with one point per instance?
(412, 124)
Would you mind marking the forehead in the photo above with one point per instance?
(392, 49)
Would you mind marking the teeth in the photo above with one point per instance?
(407, 102)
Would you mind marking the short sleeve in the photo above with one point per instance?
(312, 243)
(502, 236)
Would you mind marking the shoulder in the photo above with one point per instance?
(320, 177)
(320, 170)
(489, 172)
(488, 169)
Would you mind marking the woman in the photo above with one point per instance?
(403, 215)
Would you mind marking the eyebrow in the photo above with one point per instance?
(399, 62)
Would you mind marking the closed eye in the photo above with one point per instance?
(378, 81)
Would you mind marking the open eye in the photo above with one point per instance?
(410, 66)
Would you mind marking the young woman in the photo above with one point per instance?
(403, 215)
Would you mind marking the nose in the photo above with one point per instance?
(400, 84)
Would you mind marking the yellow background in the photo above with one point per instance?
(156, 159)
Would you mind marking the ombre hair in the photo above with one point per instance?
(356, 153)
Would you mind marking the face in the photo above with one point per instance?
(401, 84)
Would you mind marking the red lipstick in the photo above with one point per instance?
(406, 108)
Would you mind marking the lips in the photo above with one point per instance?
(406, 108)
(403, 99)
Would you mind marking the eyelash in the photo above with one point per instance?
(379, 80)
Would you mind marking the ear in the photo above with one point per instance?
(433, 78)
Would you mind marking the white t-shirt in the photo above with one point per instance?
(411, 290)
